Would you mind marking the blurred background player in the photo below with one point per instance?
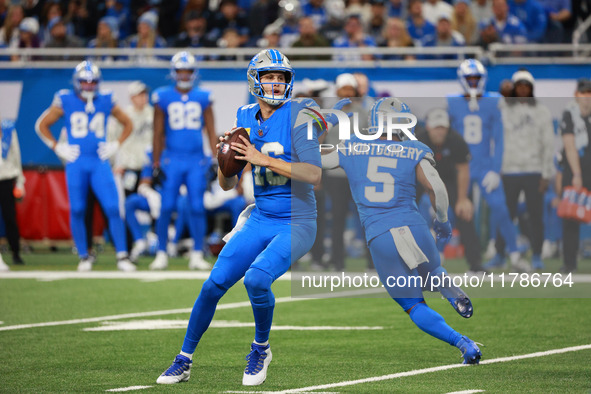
(527, 159)
(475, 114)
(335, 180)
(147, 199)
(452, 155)
(85, 111)
(181, 111)
(383, 184)
(129, 161)
(131, 158)
(12, 188)
(576, 135)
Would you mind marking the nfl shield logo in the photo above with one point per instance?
(225, 148)
(260, 133)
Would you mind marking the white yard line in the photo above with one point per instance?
(232, 305)
(130, 388)
(49, 276)
(152, 276)
(303, 392)
(466, 392)
(428, 370)
(160, 324)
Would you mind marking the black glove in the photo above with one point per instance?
(158, 176)
(212, 173)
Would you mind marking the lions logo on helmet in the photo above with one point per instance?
(269, 60)
(472, 76)
(86, 72)
(183, 61)
(378, 117)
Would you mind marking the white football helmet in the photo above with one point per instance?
(472, 68)
(183, 61)
(86, 72)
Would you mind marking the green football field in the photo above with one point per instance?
(98, 332)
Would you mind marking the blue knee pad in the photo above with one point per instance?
(112, 211)
(258, 286)
(211, 290)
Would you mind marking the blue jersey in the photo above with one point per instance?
(183, 118)
(318, 14)
(418, 32)
(86, 129)
(382, 177)
(282, 136)
(146, 172)
(532, 15)
(7, 127)
(512, 31)
(482, 130)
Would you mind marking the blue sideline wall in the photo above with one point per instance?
(25, 93)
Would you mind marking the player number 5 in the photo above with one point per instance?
(386, 179)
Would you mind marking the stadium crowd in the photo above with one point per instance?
(285, 23)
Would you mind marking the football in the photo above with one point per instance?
(229, 165)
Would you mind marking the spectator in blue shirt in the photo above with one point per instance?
(118, 10)
(354, 37)
(316, 10)
(559, 13)
(532, 15)
(229, 16)
(502, 27)
(417, 26)
(397, 9)
(445, 37)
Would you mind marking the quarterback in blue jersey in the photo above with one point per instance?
(382, 176)
(180, 113)
(281, 228)
(85, 111)
(475, 114)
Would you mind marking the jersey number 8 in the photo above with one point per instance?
(184, 115)
(472, 129)
(79, 126)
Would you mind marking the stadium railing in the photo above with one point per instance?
(303, 57)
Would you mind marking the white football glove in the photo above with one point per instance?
(242, 218)
(67, 152)
(107, 149)
(154, 199)
(491, 181)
